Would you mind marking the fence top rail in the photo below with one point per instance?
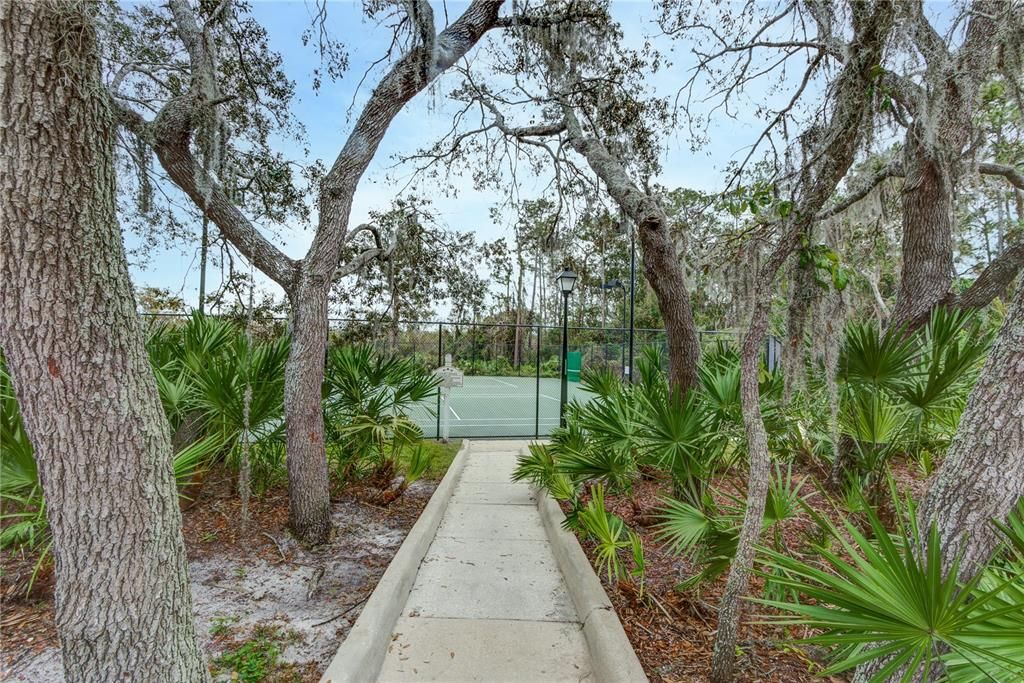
(449, 323)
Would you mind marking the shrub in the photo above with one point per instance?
(887, 600)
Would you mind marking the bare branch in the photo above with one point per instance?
(893, 169)
(1011, 173)
(995, 279)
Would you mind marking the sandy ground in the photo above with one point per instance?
(244, 579)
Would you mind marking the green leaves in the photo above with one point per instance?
(675, 432)
(905, 393)
(888, 600)
(536, 467)
(882, 361)
(366, 399)
(611, 536)
(756, 198)
(706, 532)
(418, 464)
(826, 264)
(683, 526)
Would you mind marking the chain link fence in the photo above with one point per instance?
(511, 385)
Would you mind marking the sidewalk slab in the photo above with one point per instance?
(491, 522)
(494, 493)
(493, 650)
(490, 468)
(490, 579)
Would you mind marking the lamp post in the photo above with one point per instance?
(617, 284)
(566, 281)
(624, 226)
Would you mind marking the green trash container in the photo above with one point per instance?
(574, 364)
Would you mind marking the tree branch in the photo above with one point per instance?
(894, 169)
(409, 75)
(544, 20)
(361, 260)
(1011, 173)
(994, 280)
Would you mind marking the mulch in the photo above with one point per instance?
(673, 631)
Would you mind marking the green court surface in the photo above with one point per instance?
(498, 406)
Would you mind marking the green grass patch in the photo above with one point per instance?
(256, 659)
(441, 456)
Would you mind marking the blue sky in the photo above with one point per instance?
(422, 121)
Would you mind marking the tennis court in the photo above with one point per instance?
(498, 406)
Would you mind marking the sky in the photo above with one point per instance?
(426, 118)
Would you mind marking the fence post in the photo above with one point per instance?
(440, 361)
(536, 416)
(472, 348)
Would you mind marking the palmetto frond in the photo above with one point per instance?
(883, 600)
(872, 418)
(537, 466)
(882, 360)
(674, 436)
(600, 381)
(610, 534)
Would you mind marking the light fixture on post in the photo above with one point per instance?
(566, 281)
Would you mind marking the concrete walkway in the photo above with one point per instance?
(489, 602)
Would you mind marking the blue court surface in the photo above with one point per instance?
(498, 406)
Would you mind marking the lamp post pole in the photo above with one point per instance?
(632, 295)
(565, 358)
(566, 281)
(623, 287)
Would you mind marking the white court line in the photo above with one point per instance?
(455, 414)
(525, 420)
(454, 395)
(550, 397)
(507, 384)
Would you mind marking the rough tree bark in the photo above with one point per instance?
(309, 512)
(833, 154)
(803, 289)
(306, 282)
(982, 477)
(74, 344)
(942, 128)
(662, 266)
(927, 242)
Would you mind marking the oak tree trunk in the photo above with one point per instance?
(927, 270)
(982, 477)
(308, 486)
(662, 265)
(663, 269)
(75, 347)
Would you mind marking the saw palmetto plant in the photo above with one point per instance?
(890, 600)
